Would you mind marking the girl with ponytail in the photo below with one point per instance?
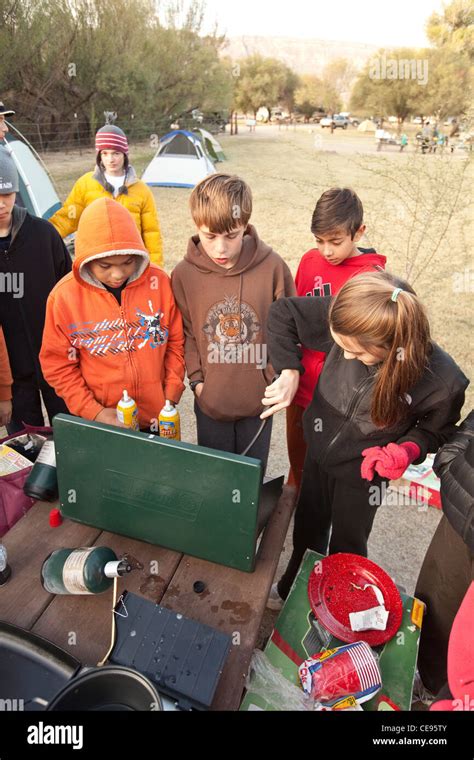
(387, 396)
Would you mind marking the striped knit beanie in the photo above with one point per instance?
(111, 137)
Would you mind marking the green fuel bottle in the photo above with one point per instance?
(42, 482)
(82, 571)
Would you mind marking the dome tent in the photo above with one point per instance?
(366, 126)
(37, 193)
(180, 161)
(211, 144)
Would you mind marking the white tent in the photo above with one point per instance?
(37, 193)
(180, 161)
(366, 126)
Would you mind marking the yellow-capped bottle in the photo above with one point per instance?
(169, 423)
(127, 412)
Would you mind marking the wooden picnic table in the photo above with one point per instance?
(233, 601)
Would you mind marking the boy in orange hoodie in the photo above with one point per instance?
(6, 382)
(113, 323)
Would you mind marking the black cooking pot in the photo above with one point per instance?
(109, 688)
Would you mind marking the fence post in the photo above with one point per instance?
(40, 138)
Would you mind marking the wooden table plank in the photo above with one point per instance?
(233, 601)
(28, 543)
(82, 624)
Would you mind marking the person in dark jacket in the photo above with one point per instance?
(448, 567)
(386, 397)
(33, 259)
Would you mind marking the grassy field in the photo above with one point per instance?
(418, 210)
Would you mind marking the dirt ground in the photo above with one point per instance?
(418, 212)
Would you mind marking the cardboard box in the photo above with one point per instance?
(298, 635)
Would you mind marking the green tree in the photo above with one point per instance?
(454, 28)
(314, 93)
(338, 77)
(69, 60)
(308, 95)
(391, 84)
(451, 74)
(263, 82)
(449, 89)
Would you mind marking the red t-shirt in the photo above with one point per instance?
(316, 277)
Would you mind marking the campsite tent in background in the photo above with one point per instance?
(37, 193)
(366, 126)
(211, 144)
(180, 161)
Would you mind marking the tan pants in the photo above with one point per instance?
(445, 576)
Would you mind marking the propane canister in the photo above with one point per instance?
(42, 482)
(88, 570)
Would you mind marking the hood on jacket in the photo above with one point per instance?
(106, 228)
(130, 179)
(253, 252)
(18, 217)
(370, 257)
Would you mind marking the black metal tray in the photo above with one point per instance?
(181, 657)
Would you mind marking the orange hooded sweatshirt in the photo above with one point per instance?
(93, 347)
(6, 379)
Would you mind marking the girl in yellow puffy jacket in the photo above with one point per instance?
(116, 178)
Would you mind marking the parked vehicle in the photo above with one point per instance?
(336, 121)
(341, 121)
(279, 114)
(353, 121)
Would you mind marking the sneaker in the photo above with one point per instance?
(274, 601)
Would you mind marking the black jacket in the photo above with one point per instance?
(35, 261)
(454, 465)
(338, 424)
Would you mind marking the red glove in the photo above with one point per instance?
(390, 461)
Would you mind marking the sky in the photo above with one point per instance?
(377, 22)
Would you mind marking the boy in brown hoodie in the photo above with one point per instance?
(224, 288)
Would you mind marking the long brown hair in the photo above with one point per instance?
(364, 311)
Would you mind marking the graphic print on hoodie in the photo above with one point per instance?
(316, 277)
(94, 346)
(225, 313)
(232, 330)
(118, 335)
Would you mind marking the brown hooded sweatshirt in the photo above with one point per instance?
(225, 315)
